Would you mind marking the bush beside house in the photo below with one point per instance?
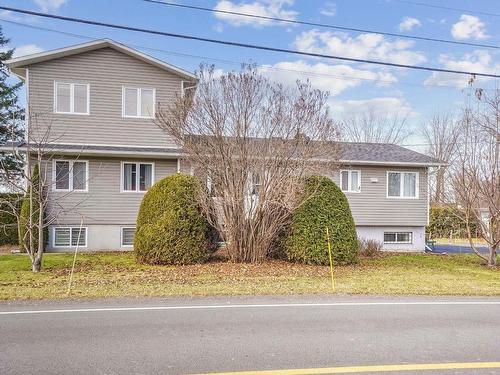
(8, 221)
(171, 228)
(326, 206)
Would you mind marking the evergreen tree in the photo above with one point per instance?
(11, 114)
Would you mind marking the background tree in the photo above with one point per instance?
(441, 135)
(253, 141)
(373, 127)
(476, 173)
(11, 114)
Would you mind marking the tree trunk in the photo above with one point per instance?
(492, 261)
(36, 264)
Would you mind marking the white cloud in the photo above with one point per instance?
(363, 46)
(219, 28)
(332, 78)
(265, 8)
(27, 49)
(329, 9)
(24, 50)
(47, 5)
(408, 23)
(478, 61)
(469, 27)
(385, 106)
(8, 15)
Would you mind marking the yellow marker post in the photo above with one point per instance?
(331, 258)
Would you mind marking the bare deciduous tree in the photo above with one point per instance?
(476, 174)
(441, 136)
(253, 141)
(375, 128)
(36, 190)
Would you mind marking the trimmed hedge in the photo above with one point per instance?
(8, 221)
(170, 226)
(446, 220)
(25, 214)
(325, 206)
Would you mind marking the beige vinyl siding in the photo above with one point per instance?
(371, 206)
(104, 203)
(106, 71)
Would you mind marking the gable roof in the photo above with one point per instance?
(18, 64)
(383, 153)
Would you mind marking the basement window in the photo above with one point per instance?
(128, 236)
(70, 237)
(398, 237)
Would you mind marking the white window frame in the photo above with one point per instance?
(70, 236)
(139, 101)
(137, 175)
(72, 98)
(70, 176)
(401, 185)
(121, 236)
(183, 89)
(349, 180)
(399, 242)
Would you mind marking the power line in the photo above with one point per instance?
(448, 8)
(244, 45)
(323, 25)
(231, 62)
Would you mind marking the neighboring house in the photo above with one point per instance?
(98, 100)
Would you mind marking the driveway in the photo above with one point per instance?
(284, 335)
(458, 249)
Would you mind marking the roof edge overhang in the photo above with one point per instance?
(393, 163)
(170, 155)
(18, 65)
(97, 153)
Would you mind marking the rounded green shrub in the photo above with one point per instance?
(171, 228)
(324, 206)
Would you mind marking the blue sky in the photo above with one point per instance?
(353, 87)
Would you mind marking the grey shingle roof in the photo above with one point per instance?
(351, 152)
(383, 153)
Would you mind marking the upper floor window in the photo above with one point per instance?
(70, 175)
(138, 102)
(137, 177)
(350, 181)
(188, 88)
(402, 184)
(72, 98)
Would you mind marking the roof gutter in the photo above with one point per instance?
(108, 153)
(403, 164)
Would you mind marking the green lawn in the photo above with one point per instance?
(117, 274)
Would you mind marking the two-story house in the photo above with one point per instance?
(96, 103)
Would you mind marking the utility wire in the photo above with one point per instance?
(244, 45)
(448, 8)
(232, 62)
(323, 25)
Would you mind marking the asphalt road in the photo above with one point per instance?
(174, 336)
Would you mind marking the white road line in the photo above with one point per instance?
(252, 306)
